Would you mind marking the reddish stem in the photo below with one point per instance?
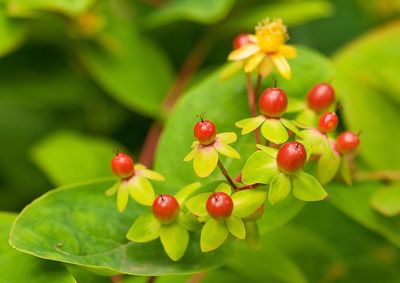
(226, 174)
(252, 104)
(257, 88)
(116, 279)
(146, 155)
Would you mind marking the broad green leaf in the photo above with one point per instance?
(307, 188)
(69, 157)
(245, 202)
(279, 188)
(174, 239)
(94, 228)
(259, 168)
(204, 12)
(213, 94)
(225, 188)
(129, 67)
(12, 32)
(213, 234)
(141, 190)
(189, 221)
(197, 204)
(328, 166)
(369, 92)
(273, 152)
(186, 192)
(235, 225)
(248, 125)
(387, 200)
(289, 125)
(145, 228)
(274, 131)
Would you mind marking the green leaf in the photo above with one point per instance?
(213, 235)
(250, 124)
(235, 225)
(328, 166)
(295, 105)
(146, 228)
(140, 190)
(189, 221)
(197, 204)
(344, 170)
(6, 221)
(252, 234)
(69, 157)
(305, 187)
(174, 239)
(204, 12)
(307, 118)
(279, 188)
(273, 152)
(259, 168)
(187, 192)
(247, 201)
(205, 161)
(387, 200)
(225, 188)
(94, 235)
(274, 131)
(12, 32)
(289, 125)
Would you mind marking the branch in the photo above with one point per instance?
(227, 177)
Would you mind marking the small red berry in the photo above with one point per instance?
(240, 40)
(347, 142)
(205, 132)
(122, 165)
(165, 208)
(328, 122)
(273, 102)
(320, 97)
(219, 205)
(291, 157)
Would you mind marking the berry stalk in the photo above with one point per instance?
(226, 175)
(252, 104)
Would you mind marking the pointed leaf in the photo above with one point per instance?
(149, 174)
(273, 152)
(113, 189)
(197, 204)
(387, 200)
(250, 124)
(122, 197)
(213, 235)
(246, 202)
(141, 190)
(344, 170)
(288, 124)
(279, 188)
(188, 221)
(225, 188)
(205, 161)
(274, 131)
(305, 187)
(226, 150)
(328, 165)
(146, 228)
(235, 225)
(174, 239)
(259, 168)
(186, 192)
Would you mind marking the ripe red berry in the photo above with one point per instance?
(240, 40)
(291, 157)
(122, 165)
(328, 122)
(219, 205)
(165, 208)
(347, 142)
(273, 102)
(320, 97)
(205, 132)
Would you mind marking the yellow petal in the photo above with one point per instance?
(149, 174)
(252, 38)
(281, 65)
(191, 155)
(113, 189)
(243, 52)
(265, 68)
(195, 144)
(226, 138)
(254, 62)
(226, 150)
(122, 198)
(205, 161)
(141, 190)
(250, 124)
(288, 51)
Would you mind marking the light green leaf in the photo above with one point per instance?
(111, 191)
(174, 239)
(197, 204)
(188, 221)
(313, 139)
(245, 202)
(387, 200)
(140, 190)
(69, 157)
(328, 165)
(186, 192)
(149, 174)
(95, 229)
(146, 228)
(344, 170)
(235, 225)
(273, 152)
(205, 161)
(305, 187)
(288, 124)
(250, 124)
(226, 150)
(12, 32)
(252, 234)
(225, 188)
(213, 235)
(274, 131)
(279, 188)
(295, 105)
(259, 168)
(307, 118)
(122, 197)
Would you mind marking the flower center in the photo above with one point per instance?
(271, 35)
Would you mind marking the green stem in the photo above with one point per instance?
(226, 175)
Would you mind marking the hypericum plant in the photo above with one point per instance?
(289, 141)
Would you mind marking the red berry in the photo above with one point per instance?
(165, 208)
(273, 102)
(240, 40)
(122, 165)
(219, 205)
(328, 122)
(205, 132)
(347, 142)
(320, 97)
(291, 157)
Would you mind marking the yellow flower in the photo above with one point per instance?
(266, 49)
(138, 186)
(205, 157)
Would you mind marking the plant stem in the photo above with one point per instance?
(377, 176)
(116, 279)
(146, 155)
(252, 104)
(227, 177)
(151, 279)
(257, 88)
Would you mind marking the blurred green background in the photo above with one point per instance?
(80, 78)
